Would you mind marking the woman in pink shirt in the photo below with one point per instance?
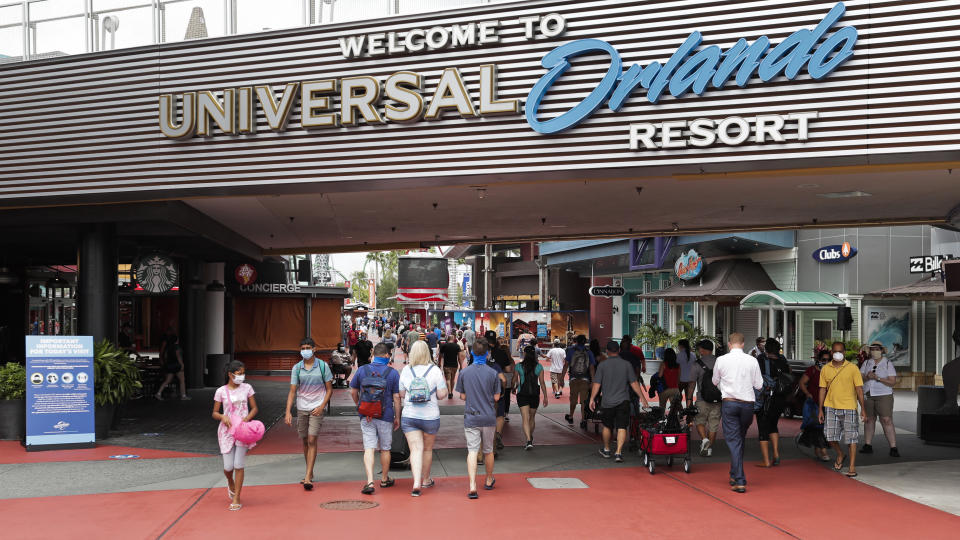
(236, 398)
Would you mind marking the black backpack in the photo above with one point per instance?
(709, 391)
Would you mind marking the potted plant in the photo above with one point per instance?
(652, 337)
(693, 334)
(116, 379)
(13, 390)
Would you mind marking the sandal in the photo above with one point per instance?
(489, 486)
(307, 486)
(415, 492)
(473, 495)
(838, 465)
(851, 474)
(235, 506)
(429, 484)
(387, 483)
(368, 489)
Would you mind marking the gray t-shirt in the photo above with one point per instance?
(614, 375)
(696, 371)
(687, 360)
(470, 337)
(412, 337)
(479, 382)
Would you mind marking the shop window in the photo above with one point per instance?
(823, 331)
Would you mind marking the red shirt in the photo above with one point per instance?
(353, 337)
(813, 381)
(671, 377)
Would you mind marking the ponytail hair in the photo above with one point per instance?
(233, 365)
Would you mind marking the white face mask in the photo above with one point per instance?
(838, 356)
(877, 355)
(238, 379)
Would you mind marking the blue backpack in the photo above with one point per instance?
(372, 388)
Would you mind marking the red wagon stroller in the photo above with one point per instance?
(668, 437)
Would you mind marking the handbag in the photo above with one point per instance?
(248, 433)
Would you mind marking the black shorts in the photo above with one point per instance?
(504, 402)
(525, 400)
(616, 417)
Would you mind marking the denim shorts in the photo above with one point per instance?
(430, 427)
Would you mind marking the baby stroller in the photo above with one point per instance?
(667, 436)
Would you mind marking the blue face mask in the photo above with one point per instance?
(381, 361)
(306, 354)
(479, 359)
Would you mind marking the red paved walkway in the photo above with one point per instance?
(13, 452)
(798, 499)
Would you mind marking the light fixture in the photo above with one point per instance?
(676, 227)
(481, 193)
(844, 194)
(57, 287)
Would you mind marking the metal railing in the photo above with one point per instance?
(34, 29)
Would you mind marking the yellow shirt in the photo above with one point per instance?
(843, 383)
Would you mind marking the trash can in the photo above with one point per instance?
(215, 369)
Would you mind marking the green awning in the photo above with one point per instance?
(790, 300)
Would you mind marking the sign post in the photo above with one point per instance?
(60, 406)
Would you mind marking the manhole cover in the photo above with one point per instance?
(349, 505)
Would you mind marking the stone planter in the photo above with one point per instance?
(103, 419)
(13, 419)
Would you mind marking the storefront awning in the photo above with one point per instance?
(925, 289)
(727, 280)
(790, 300)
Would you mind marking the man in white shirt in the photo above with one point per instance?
(879, 377)
(737, 375)
(557, 356)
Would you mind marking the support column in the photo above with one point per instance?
(97, 299)
(488, 276)
(214, 310)
(192, 325)
(308, 316)
(543, 288)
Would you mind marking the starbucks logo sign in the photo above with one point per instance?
(155, 273)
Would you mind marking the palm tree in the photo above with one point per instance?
(651, 336)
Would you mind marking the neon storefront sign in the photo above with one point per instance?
(686, 70)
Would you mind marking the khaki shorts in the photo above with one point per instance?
(556, 380)
(480, 439)
(308, 425)
(709, 416)
(580, 392)
(882, 406)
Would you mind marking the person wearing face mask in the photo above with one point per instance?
(841, 389)
(340, 366)
(311, 384)
(879, 377)
(812, 428)
(235, 398)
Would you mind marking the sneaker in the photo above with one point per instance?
(703, 446)
(605, 454)
(867, 449)
(499, 442)
(185, 398)
(583, 424)
(556, 395)
(894, 452)
(709, 451)
(618, 458)
(568, 418)
(529, 445)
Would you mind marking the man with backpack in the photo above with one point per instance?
(771, 399)
(311, 383)
(615, 377)
(375, 389)
(708, 398)
(582, 364)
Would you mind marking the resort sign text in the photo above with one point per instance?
(400, 97)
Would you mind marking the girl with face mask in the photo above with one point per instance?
(232, 402)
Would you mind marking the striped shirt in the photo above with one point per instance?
(310, 383)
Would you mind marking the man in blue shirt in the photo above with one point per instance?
(378, 432)
(480, 389)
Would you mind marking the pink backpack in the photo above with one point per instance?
(245, 432)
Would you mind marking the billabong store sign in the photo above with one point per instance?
(342, 103)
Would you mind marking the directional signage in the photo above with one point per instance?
(607, 291)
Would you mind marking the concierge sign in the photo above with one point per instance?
(59, 392)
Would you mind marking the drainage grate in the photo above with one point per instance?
(349, 505)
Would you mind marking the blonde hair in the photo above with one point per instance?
(736, 338)
(388, 333)
(420, 354)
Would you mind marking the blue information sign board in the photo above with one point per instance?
(59, 392)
